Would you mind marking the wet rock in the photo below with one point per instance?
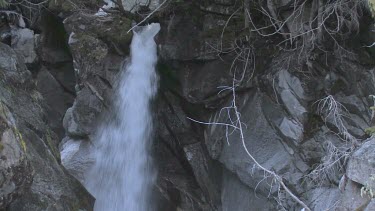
(76, 157)
(111, 30)
(79, 120)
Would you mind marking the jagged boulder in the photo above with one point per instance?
(261, 140)
(34, 179)
(15, 169)
(77, 157)
(24, 43)
(360, 167)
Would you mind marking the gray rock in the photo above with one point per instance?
(133, 5)
(77, 157)
(323, 198)
(288, 128)
(12, 66)
(370, 206)
(16, 171)
(262, 142)
(212, 76)
(292, 94)
(55, 55)
(79, 120)
(29, 138)
(288, 82)
(355, 106)
(65, 76)
(51, 91)
(313, 149)
(205, 171)
(361, 164)
(55, 97)
(237, 196)
(351, 198)
(356, 125)
(293, 106)
(23, 42)
(292, 130)
(52, 188)
(225, 9)
(183, 40)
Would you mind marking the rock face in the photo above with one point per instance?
(360, 164)
(24, 43)
(32, 178)
(287, 123)
(15, 168)
(304, 119)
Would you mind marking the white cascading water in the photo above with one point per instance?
(122, 176)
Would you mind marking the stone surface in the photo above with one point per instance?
(199, 168)
(77, 157)
(261, 140)
(23, 42)
(324, 198)
(360, 166)
(42, 184)
(56, 98)
(291, 93)
(205, 171)
(12, 70)
(15, 169)
(79, 120)
(292, 130)
(237, 196)
(370, 206)
(351, 199)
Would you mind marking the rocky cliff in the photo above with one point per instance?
(234, 98)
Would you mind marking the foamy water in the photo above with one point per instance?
(122, 177)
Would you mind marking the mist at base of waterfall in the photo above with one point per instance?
(122, 176)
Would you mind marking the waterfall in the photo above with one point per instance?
(122, 176)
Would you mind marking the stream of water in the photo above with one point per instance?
(122, 176)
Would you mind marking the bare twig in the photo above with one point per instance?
(335, 157)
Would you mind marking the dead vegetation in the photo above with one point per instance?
(300, 26)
